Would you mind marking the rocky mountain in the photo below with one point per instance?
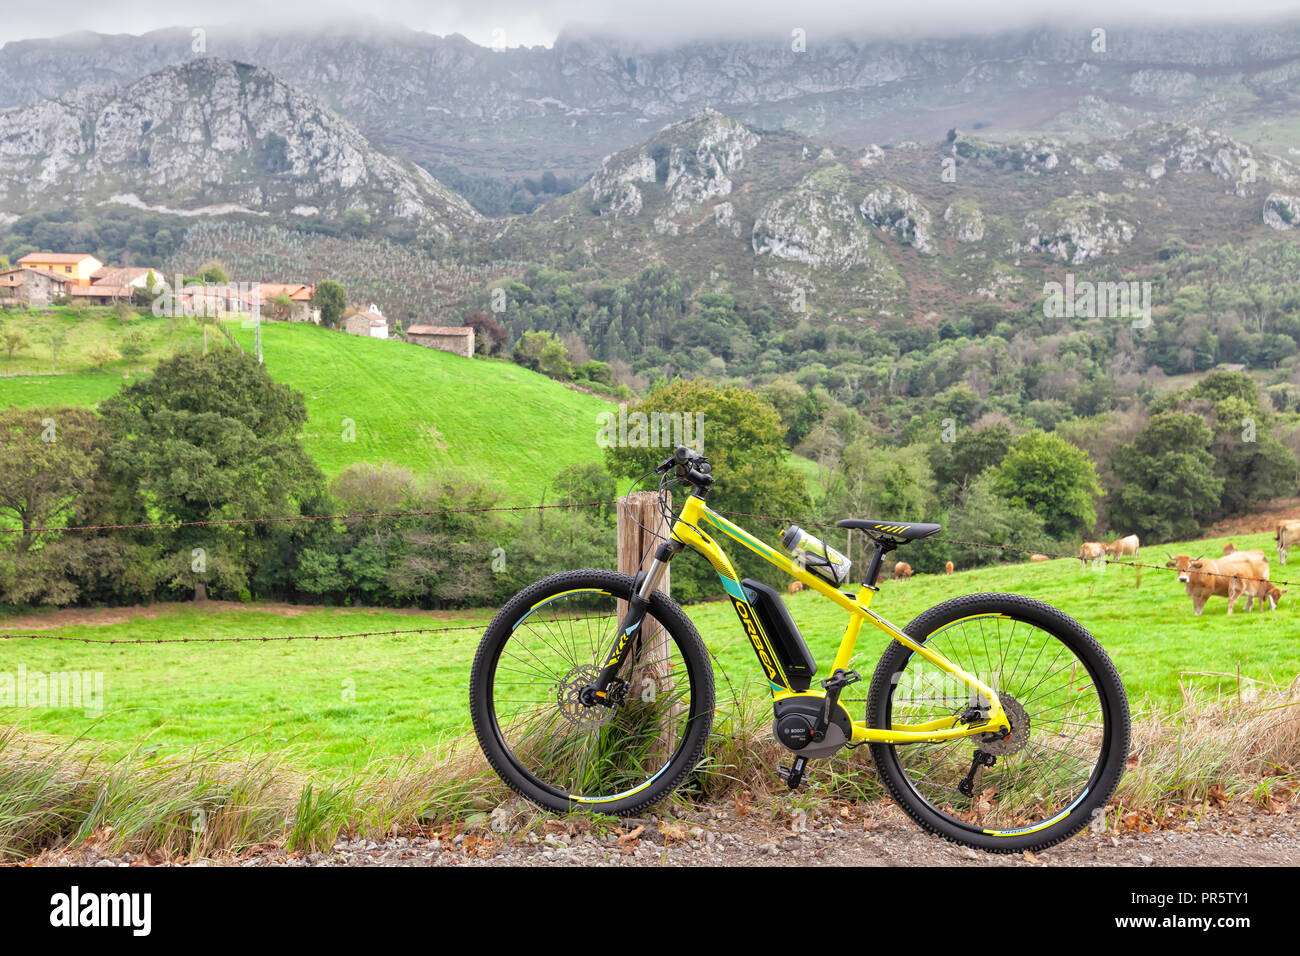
(213, 137)
(903, 229)
(445, 100)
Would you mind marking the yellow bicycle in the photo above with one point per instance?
(994, 720)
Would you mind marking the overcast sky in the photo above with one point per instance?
(530, 22)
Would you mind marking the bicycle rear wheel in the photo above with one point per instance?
(548, 643)
(1069, 714)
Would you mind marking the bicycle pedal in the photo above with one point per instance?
(793, 776)
(841, 679)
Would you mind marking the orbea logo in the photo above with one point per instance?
(71, 689)
(655, 430)
(1098, 300)
(75, 908)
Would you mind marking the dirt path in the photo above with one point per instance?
(875, 835)
(99, 616)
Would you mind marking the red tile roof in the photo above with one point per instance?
(100, 289)
(68, 257)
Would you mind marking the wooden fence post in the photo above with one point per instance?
(639, 521)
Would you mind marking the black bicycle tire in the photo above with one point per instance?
(1115, 715)
(670, 617)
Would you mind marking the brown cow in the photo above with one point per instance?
(1122, 546)
(794, 587)
(947, 567)
(1229, 548)
(1256, 590)
(1205, 578)
(1092, 551)
(1288, 533)
(902, 570)
(1039, 557)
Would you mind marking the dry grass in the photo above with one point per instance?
(210, 800)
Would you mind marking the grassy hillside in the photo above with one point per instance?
(419, 408)
(427, 410)
(344, 701)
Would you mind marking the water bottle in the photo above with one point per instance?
(816, 556)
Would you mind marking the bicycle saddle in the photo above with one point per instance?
(903, 530)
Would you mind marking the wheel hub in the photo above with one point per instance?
(1003, 744)
(569, 696)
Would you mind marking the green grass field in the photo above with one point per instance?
(337, 704)
(367, 400)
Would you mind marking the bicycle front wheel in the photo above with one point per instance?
(548, 643)
(1069, 737)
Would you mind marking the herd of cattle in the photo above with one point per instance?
(1236, 575)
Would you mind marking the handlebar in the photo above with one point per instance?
(691, 467)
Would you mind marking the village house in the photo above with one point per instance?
(300, 308)
(135, 277)
(459, 340)
(100, 294)
(33, 288)
(370, 322)
(77, 267)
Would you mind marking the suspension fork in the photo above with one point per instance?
(629, 629)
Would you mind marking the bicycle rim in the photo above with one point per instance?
(1059, 743)
(588, 756)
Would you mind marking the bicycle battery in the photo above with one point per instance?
(779, 628)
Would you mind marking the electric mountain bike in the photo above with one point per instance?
(994, 720)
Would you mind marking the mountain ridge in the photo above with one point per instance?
(211, 135)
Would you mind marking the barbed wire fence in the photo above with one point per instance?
(424, 513)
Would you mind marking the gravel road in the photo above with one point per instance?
(737, 835)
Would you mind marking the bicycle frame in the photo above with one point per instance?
(689, 530)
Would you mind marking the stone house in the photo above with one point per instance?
(370, 323)
(459, 340)
(34, 288)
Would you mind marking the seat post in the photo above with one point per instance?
(873, 569)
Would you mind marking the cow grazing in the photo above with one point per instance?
(794, 587)
(1205, 578)
(1288, 533)
(1039, 557)
(947, 567)
(902, 570)
(1229, 548)
(1122, 546)
(1092, 551)
(1257, 591)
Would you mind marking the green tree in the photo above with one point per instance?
(281, 306)
(208, 437)
(49, 459)
(969, 456)
(742, 436)
(13, 339)
(892, 484)
(356, 222)
(214, 273)
(331, 299)
(1167, 484)
(1052, 478)
(54, 337)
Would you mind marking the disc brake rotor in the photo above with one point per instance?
(1002, 744)
(568, 695)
